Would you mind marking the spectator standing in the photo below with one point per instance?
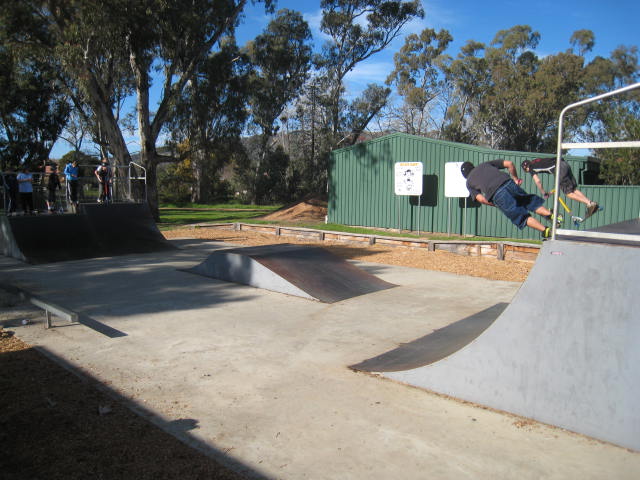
(71, 176)
(25, 187)
(105, 178)
(11, 188)
(53, 184)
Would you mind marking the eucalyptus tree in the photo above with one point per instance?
(418, 76)
(281, 59)
(210, 117)
(140, 42)
(33, 110)
(518, 106)
(466, 79)
(357, 30)
(616, 118)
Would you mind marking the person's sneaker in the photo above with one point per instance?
(558, 220)
(591, 209)
(547, 233)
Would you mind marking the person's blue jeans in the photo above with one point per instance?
(515, 203)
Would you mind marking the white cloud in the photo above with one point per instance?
(368, 72)
(314, 19)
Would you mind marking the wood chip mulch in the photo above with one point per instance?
(484, 267)
(54, 425)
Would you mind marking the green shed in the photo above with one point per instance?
(361, 189)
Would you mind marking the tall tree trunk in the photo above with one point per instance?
(148, 153)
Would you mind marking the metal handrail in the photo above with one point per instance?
(591, 145)
(131, 175)
(144, 170)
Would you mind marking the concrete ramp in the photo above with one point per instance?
(434, 346)
(564, 352)
(304, 271)
(95, 231)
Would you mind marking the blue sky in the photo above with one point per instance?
(614, 23)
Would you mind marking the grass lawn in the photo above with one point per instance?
(172, 216)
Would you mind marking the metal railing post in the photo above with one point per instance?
(593, 145)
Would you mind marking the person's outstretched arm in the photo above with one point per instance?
(536, 180)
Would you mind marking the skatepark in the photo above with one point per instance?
(267, 379)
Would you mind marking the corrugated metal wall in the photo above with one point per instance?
(361, 189)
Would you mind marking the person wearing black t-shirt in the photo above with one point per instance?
(568, 183)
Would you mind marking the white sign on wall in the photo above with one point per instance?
(408, 178)
(455, 185)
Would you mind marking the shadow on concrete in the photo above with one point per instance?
(59, 422)
(435, 346)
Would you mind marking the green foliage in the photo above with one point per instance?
(281, 59)
(81, 157)
(209, 117)
(621, 122)
(102, 47)
(418, 79)
(357, 30)
(33, 109)
(175, 182)
(506, 97)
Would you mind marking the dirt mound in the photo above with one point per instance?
(311, 209)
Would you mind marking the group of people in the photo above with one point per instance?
(490, 185)
(21, 185)
(103, 173)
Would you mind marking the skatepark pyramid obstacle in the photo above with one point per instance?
(304, 271)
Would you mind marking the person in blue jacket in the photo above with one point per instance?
(25, 186)
(71, 172)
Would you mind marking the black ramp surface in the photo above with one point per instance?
(622, 233)
(48, 238)
(631, 227)
(96, 231)
(435, 346)
(124, 228)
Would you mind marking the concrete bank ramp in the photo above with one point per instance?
(95, 231)
(304, 271)
(564, 352)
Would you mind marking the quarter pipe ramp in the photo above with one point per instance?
(564, 352)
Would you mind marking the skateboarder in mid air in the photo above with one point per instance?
(568, 183)
(489, 185)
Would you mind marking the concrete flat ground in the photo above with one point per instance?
(260, 380)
